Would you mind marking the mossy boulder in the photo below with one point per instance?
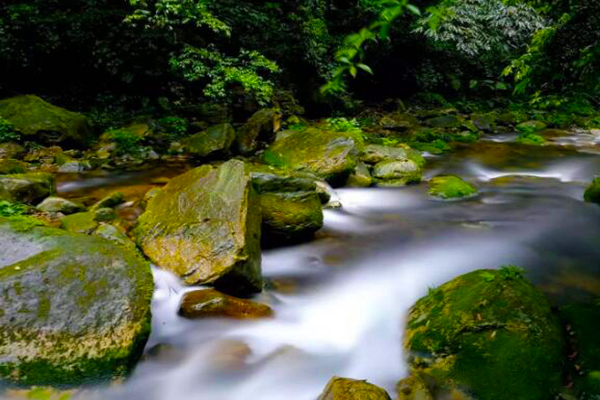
(216, 140)
(81, 222)
(396, 173)
(60, 205)
(531, 126)
(592, 193)
(209, 303)
(75, 308)
(582, 322)
(204, 226)
(488, 333)
(352, 389)
(11, 166)
(361, 177)
(531, 139)
(374, 154)
(484, 122)
(329, 155)
(261, 127)
(450, 187)
(28, 188)
(115, 235)
(12, 150)
(43, 122)
(109, 201)
(445, 121)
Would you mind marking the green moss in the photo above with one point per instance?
(531, 139)
(592, 193)
(290, 216)
(450, 187)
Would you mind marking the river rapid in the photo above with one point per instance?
(340, 300)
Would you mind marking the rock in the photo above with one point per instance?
(450, 187)
(112, 200)
(28, 188)
(105, 214)
(83, 222)
(42, 122)
(10, 166)
(398, 122)
(507, 119)
(115, 235)
(592, 193)
(484, 122)
(530, 139)
(582, 322)
(216, 140)
(75, 308)
(413, 388)
(45, 155)
(489, 332)
(531, 126)
(60, 205)
(150, 194)
(209, 303)
(260, 127)
(396, 173)
(374, 154)
(361, 177)
(595, 132)
(445, 121)
(12, 150)
(204, 226)
(329, 155)
(74, 167)
(350, 389)
(325, 192)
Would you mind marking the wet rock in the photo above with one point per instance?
(28, 188)
(450, 187)
(112, 200)
(507, 119)
(11, 166)
(361, 177)
(374, 154)
(260, 127)
(398, 122)
(45, 155)
(83, 222)
(204, 226)
(12, 150)
(488, 332)
(445, 121)
(396, 173)
(42, 122)
(208, 303)
(484, 122)
(531, 139)
(104, 214)
(216, 140)
(531, 126)
(329, 155)
(350, 389)
(114, 234)
(75, 308)
(325, 192)
(60, 205)
(74, 167)
(413, 388)
(592, 193)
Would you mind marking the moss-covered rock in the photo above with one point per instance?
(81, 222)
(531, 139)
(592, 193)
(531, 126)
(204, 226)
(260, 127)
(488, 333)
(28, 188)
(115, 235)
(11, 166)
(484, 122)
(329, 155)
(351, 389)
(361, 177)
(450, 187)
(445, 121)
(396, 173)
(374, 154)
(60, 205)
(75, 308)
(112, 200)
(209, 303)
(414, 388)
(216, 140)
(42, 122)
(11, 150)
(582, 321)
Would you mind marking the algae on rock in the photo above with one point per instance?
(450, 187)
(351, 389)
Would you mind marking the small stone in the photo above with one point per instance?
(350, 389)
(209, 303)
(104, 214)
(450, 187)
(60, 205)
(112, 200)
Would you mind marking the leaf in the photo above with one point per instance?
(413, 9)
(365, 68)
(487, 276)
(353, 71)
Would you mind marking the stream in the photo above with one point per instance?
(341, 299)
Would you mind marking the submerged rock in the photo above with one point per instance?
(75, 308)
(489, 333)
(209, 303)
(204, 226)
(450, 187)
(28, 188)
(396, 173)
(60, 205)
(592, 193)
(213, 141)
(42, 122)
(351, 389)
(361, 177)
(260, 127)
(329, 155)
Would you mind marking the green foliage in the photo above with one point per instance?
(531, 139)
(8, 209)
(8, 132)
(47, 394)
(127, 141)
(511, 272)
(351, 126)
(174, 127)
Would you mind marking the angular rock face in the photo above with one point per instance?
(260, 127)
(489, 333)
(351, 389)
(44, 123)
(209, 303)
(74, 309)
(204, 227)
(361, 177)
(28, 188)
(329, 155)
(215, 140)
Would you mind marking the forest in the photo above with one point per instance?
(301, 199)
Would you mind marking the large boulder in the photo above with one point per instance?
(592, 193)
(329, 155)
(204, 226)
(450, 187)
(216, 140)
(42, 122)
(28, 188)
(396, 173)
(75, 308)
(489, 334)
(351, 389)
(260, 127)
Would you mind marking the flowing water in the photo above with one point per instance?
(340, 300)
